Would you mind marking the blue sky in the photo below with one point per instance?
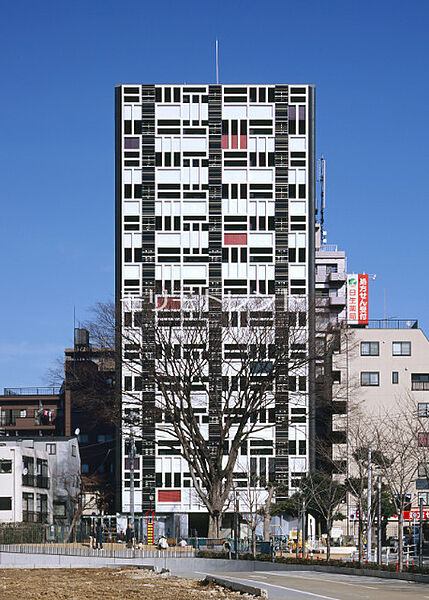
(60, 62)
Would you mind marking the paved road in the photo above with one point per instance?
(311, 585)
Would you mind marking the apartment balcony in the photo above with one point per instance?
(338, 278)
(34, 517)
(337, 301)
(39, 481)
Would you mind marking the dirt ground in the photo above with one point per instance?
(105, 584)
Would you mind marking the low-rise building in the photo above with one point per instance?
(39, 479)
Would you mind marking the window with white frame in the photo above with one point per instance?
(401, 348)
(369, 378)
(369, 348)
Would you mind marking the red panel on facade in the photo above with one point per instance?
(243, 142)
(225, 142)
(169, 496)
(234, 141)
(168, 303)
(235, 239)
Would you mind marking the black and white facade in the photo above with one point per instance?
(215, 198)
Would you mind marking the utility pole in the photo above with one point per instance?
(421, 534)
(379, 546)
(368, 516)
(132, 454)
(304, 527)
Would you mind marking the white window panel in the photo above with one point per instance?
(166, 144)
(194, 208)
(168, 175)
(131, 272)
(301, 240)
(136, 176)
(198, 144)
(204, 175)
(261, 144)
(185, 109)
(297, 208)
(204, 239)
(300, 176)
(127, 113)
(234, 175)
(195, 239)
(137, 112)
(195, 113)
(177, 208)
(167, 111)
(195, 175)
(261, 175)
(242, 271)
(166, 209)
(291, 175)
(158, 144)
(270, 271)
(252, 144)
(252, 209)
(270, 144)
(297, 272)
(234, 112)
(261, 240)
(297, 144)
(233, 206)
(158, 463)
(204, 111)
(158, 208)
(194, 271)
(271, 208)
(127, 176)
(131, 208)
(292, 240)
(137, 240)
(260, 112)
(297, 465)
(175, 144)
(127, 238)
(166, 240)
(242, 207)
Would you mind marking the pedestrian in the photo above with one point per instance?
(183, 543)
(162, 543)
(91, 536)
(99, 535)
(129, 535)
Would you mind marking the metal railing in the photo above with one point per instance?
(70, 550)
(34, 517)
(32, 391)
(393, 324)
(40, 481)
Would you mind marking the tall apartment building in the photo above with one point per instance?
(215, 197)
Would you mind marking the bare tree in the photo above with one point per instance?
(323, 496)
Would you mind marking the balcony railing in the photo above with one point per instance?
(393, 324)
(34, 517)
(419, 386)
(32, 391)
(40, 481)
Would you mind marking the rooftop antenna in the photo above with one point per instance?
(321, 178)
(217, 61)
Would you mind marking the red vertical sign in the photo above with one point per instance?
(362, 299)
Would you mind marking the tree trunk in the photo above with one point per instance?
(76, 515)
(328, 539)
(214, 526)
(267, 514)
(400, 540)
(253, 530)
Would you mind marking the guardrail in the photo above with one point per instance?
(88, 552)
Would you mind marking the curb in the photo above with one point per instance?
(235, 586)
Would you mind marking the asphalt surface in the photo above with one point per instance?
(311, 585)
